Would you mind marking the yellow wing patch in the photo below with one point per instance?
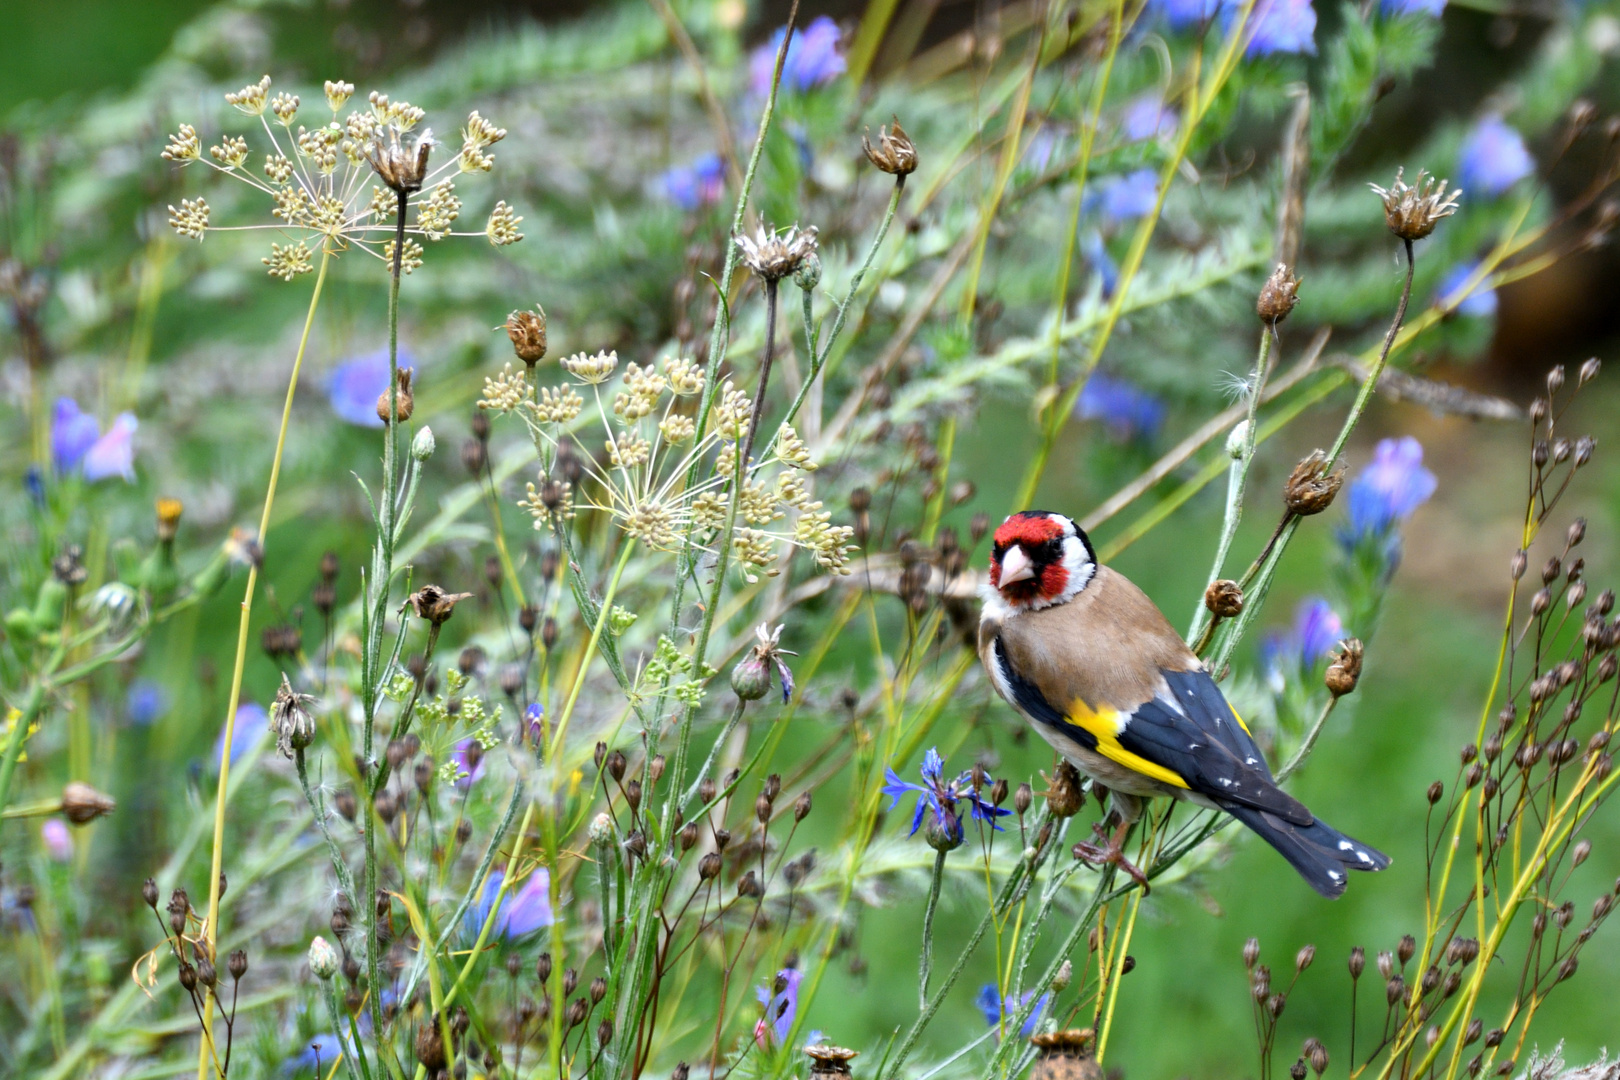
(1239, 719)
(1105, 726)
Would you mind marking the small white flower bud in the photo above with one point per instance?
(323, 959)
(422, 445)
(601, 829)
(1238, 441)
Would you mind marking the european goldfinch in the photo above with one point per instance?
(1089, 660)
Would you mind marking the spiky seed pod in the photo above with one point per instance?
(1312, 486)
(1413, 210)
(1064, 1055)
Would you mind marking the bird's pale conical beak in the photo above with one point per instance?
(1015, 566)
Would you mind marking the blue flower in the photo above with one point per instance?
(1128, 411)
(533, 717)
(146, 702)
(1412, 7)
(812, 59)
(354, 386)
(251, 725)
(781, 1008)
(1183, 14)
(1317, 628)
(1279, 26)
(694, 186)
(1145, 117)
(1122, 198)
(1479, 304)
(997, 1008)
(522, 912)
(466, 773)
(1493, 158)
(77, 442)
(72, 434)
(939, 796)
(317, 1056)
(1096, 253)
(1390, 488)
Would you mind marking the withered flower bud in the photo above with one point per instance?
(1318, 1056)
(775, 254)
(801, 807)
(1303, 958)
(1589, 371)
(1412, 211)
(706, 790)
(429, 1044)
(402, 166)
(773, 786)
(1386, 963)
(598, 990)
(1358, 961)
(1345, 670)
(1251, 953)
(749, 886)
(82, 804)
(434, 604)
(1260, 982)
(237, 964)
(404, 401)
(1277, 296)
(709, 866)
(474, 456)
(1224, 599)
(548, 633)
(1065, 796)
(1436, 790)
(689, 836)
(616, 764)
(1065, 1055)
(1311, 487)
(570, 980)
(1022, 799)
(527, 329)
(632, 794)
(1582, 849)
(895, 153)
(827, 1061)
(149, 893)
(1406, 948)
(1297, 1070)
(188, 976)
(682, 1072)
(290, 720)
(1394, 990)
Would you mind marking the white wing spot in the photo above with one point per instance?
(1345, 845)
(1335, 875)
(1362, 855)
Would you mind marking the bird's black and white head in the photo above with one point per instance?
(1039, 559)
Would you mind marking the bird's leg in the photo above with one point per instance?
(1112, 852)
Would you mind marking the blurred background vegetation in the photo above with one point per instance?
(600, 109)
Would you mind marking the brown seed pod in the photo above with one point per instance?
(1064, 1055)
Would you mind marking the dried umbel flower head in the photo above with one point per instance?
(434, 604)
(1311, 487)
(402, 165)
(1345, 670)
(1277, 296)
(774, 254)
(827, 1060)
(527, 329)
(82, 804)
(290, 720)
(894, 153)
(1064, 1055)
(1413, 210)
(1224, 599)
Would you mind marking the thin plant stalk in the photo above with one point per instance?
(210, 936)
(927, 961)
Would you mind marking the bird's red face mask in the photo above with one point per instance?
(1040, 559)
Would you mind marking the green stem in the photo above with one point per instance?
(25, 720)
(318, 807)
(927, 961)
(1237, 483)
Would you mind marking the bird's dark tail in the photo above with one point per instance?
(1318, 851)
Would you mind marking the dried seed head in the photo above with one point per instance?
(1518, 564)
(1358, 961)
(801, 806)
(1297, 1070)
(404, 401)
(1065, 793)
(527, 329)
(1303, 958)
(1251, 953)
(1022, 798)
(1386, 963)
(1436, 790)
(1224, 599)
(709, 866)
(1311, 487)
(1318, 1057)
(1413, 211)
(775, 254)
(291, 721)
(1345, 670)
(894, 153)
(82, 804)
(1277, 296)
(434, 604)
(1589, 371)
(1582, 849)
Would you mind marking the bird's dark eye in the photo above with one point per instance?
(1051, 551)
(997, 551)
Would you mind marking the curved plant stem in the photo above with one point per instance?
(210, 934)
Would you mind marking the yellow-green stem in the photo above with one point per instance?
(211, 929)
